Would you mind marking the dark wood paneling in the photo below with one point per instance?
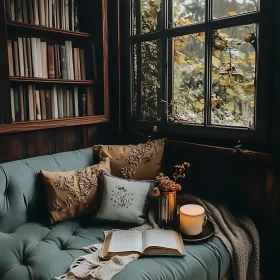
(68, 139)
(12, 147)
(40, 143)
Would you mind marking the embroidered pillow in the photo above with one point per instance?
(138, 162)
(123, 200)
(73, 193)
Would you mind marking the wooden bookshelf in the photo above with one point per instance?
(93, 31)
(14, 25)
(54, 123)
(51, 81)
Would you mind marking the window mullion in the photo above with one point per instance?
(208, 63)
(138, 16)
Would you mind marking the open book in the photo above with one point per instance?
(149, 242)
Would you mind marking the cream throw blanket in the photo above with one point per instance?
(239, 235)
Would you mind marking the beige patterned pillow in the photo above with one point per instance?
(73, 193)
(138, 162)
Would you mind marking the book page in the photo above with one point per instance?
(126, 240)
(159, 238)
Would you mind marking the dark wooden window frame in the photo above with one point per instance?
(207, 130)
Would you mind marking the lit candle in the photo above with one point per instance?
(192, 219)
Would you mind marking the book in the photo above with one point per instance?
(16, 59)
(149, 242)
(10, 58)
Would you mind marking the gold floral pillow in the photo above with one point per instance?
(73, 193)
(138, 162)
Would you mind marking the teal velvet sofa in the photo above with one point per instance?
(32, 249)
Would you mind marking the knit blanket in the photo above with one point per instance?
(239, 236)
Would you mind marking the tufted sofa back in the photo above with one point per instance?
(21, 188)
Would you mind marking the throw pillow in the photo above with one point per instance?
(73, 193)
(138, 162)
(123, 200)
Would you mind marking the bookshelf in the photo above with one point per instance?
(55, 73)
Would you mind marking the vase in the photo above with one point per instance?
(167, 209)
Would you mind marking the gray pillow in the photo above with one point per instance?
(123, 200)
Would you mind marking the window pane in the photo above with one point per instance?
(225, 8)
(233, 76)
(188, 100)
(147, 86)
(188, 12)
(150, 15)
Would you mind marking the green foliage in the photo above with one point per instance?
(233, 65)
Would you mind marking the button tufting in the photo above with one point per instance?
(7, 191)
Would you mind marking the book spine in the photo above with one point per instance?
(31, 103)
(18, 10)
(67, 60)
(21, 103)
(55, 61)
(54, 13)
(77, 28)
(71, 62)
(34, 57)
(43, 103)
(29, 57)
(47, 12)
(55, 102)
(67, 103)
(39, 57)
(59, 102)
(35, 12)
(21, 60)
(51, 62)
(64, 103)
(76, 102)
(30, 12)
(25, 102)
(89, 101)
(67, 14)
(13, 16)
(79, 65)
(42, 15)
(83, 65)
(48, 105)
(76, 71)
(24, 11)
(16, 99)
(38, 108)
(57, 14)
(44, 60)
(26, 72)
(16, 61)
(63, 61)
(10, 58)
(58, 62)
(50, 14)
(12, 104)
(8, 9)
(71, 103)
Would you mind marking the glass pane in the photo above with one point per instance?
(150, 15)
(188, 100)
(147, 87)
(134, 16)
(233, 76)
(188, 12)
(135, 87)
(225, 8)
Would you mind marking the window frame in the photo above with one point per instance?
(263, 75)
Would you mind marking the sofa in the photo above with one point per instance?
(31, 248)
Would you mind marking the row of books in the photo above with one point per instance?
(61, 14)
(29, 103)
(30, 57)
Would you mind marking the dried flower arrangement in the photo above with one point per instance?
(165, 184)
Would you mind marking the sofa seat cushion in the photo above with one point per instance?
(33, 251)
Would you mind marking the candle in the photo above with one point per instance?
(192, 219)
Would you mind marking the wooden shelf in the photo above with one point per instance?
(53, 123)
(54, 81)
(40, 28)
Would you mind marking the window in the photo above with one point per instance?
(194, 66)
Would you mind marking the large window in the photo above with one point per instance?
(194, 64)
